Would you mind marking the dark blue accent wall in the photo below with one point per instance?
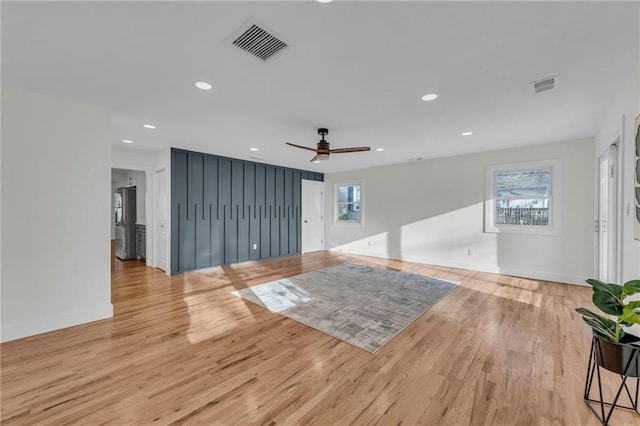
(221, 207)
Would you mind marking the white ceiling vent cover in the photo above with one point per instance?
(257, 41)
(546, 84)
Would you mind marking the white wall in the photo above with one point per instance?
(141, 197)
(55, 207)
(432, 212)
(619, 122)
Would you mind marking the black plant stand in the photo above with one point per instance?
(630, 370)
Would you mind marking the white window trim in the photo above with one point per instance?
(555, 199)
(336, 198)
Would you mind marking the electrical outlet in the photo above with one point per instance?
(470, 252)
(369, 243)
(255, 246)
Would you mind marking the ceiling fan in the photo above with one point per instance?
(323, 150)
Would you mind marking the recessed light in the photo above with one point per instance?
(429, 97)
(325, 1)
(127, 141)
(203, 85)
(253, 149)
(379, 149)
(317, 161)
(467, 133)
(149, 126)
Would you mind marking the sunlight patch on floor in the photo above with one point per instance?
(289, 295)
(207, 321)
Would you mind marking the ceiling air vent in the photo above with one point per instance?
(545, 84)
(259, 42)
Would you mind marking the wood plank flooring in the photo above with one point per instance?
(497, 350)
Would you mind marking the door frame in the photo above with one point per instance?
(618, 204)
(155, 220)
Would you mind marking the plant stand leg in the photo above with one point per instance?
(627, 370)
(590, 371)
(593, 370)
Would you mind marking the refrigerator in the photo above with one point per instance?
(125, 221)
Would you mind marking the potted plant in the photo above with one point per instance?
(612, 348)
(616, 346)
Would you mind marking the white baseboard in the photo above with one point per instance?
(532, 274)
(66, 319)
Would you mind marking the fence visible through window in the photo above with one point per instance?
(522, 216)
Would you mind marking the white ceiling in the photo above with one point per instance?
(358, 68)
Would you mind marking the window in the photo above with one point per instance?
(349, 202)
(523, 198)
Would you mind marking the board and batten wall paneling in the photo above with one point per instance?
(225, 210)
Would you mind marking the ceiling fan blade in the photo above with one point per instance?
(303, 147)
(353, 149)
(314, 159)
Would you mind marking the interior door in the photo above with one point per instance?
(607, 215)
(312, 220)
(161, 207)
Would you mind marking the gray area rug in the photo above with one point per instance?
(361, 305)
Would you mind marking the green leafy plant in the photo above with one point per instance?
(611, 299)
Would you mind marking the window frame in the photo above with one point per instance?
(554, 197)
(337, 203)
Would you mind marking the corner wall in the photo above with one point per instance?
(56, 181)
(432, 212)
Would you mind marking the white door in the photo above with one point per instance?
(607, 215)
(161, 219)
(312, 224)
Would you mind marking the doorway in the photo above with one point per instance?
(607, 222)
(128, 215)
(312, 216)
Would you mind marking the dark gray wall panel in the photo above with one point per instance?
(216, 234)
(224, 186)
(262, 231)
(178, 197)
(254, 235)
(200, 210)
(221, 208)
(265, 232)
(273, 225)
(244, 226)
(237, 185)
(280, 218)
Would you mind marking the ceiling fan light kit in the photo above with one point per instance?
(323, 150)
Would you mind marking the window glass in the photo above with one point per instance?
(350, 212)
(515, 202)
(524, 198)
(522, 212)
(349, 203)
(522, 183)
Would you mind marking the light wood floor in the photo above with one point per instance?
(497, 350)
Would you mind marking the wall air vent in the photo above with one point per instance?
(258, 42)
(545, 84)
